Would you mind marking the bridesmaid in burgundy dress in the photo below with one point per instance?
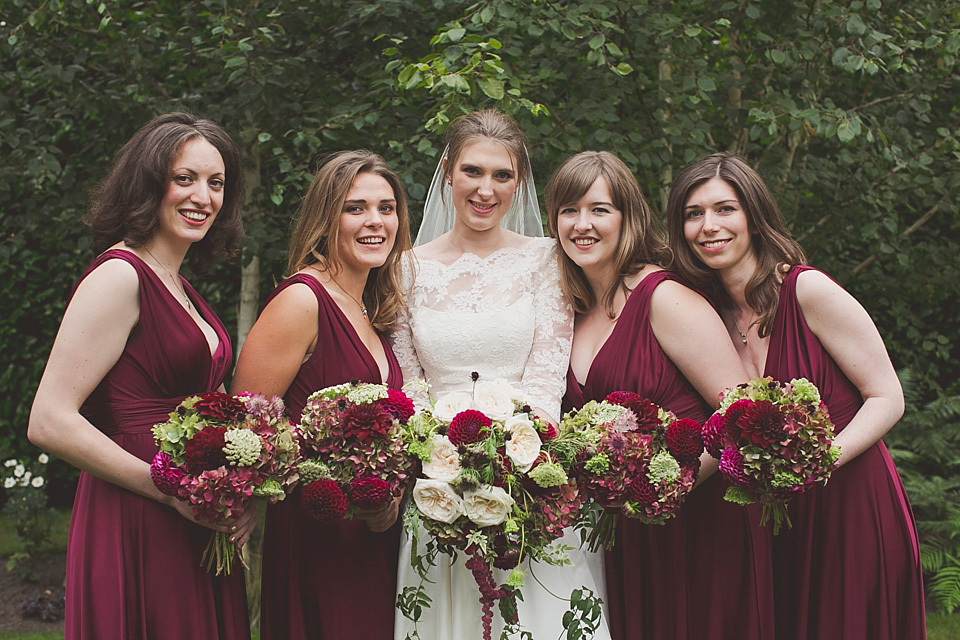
(850, 565)
(322, 326)
(135, 340)
(639, 328)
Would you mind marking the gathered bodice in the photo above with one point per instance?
(503, 316)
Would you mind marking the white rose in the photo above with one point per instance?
(437, 500)
(487, 506)
(44, 459)
(515, 393)
(493, 400)
(444, 463)
(19, 470)
(523, 447)
(9, 483)
(37, 482)
(11, 463)
(450, 404)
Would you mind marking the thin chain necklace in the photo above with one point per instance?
(743, 336)
(176, 280)
(363, 307)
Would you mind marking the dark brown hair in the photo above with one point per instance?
(125, 205)
(314, 239)
(640, 242)
(776, 250)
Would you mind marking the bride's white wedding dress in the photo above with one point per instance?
(503, 316)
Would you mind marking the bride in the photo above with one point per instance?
(485, 297)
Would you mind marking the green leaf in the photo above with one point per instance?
(623, 69)
(455, 35)
(855, 25)
(236, 61)
(596, 41)
(491, 87)
(706, 84)
(779, 57)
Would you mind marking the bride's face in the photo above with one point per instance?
(484, 179)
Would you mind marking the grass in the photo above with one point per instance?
(58, 538)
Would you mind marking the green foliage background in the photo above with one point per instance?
(847, 108)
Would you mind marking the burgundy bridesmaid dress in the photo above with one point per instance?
(706, 572)
(850, 565)
(329, 581)
(134, 565)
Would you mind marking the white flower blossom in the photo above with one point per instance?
(11, 463)
(444, 462)
(493, 400)
(9, 483)
(450, 404)
(524, 444)
(20, 470)
(487, 506)
(43, 458)
(37, 482)
(437, 500)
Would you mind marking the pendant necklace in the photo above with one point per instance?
(743, 336)
(176, 280)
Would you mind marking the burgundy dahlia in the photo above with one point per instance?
(324, 501)
(762, 423)
(467, 427)
(648, 414)
(547, 432)
(204, 451)
(220, 407)
(642, 491)
(369, 492)
(166, 475)
(732, 416)
(366, 422)
(684, 440)
(398, 404)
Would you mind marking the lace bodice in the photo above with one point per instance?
(503, 316)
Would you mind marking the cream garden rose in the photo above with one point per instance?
(444, 463)
(450, 404)
(493, 400)
(437, 500)
(524, 444)
(487, 506)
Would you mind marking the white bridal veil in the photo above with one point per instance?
(439, 212)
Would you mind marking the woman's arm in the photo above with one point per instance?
(92, 336)
(849, 335)
(694, 338)
(281, 340)
(545, 372)
(401, 333)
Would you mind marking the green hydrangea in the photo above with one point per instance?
(805, 391)
(785, 480)
(608, 413)
(269, 489)
(548, 474)
(516, 578)
(311, 471)
(367, 393)
(663, 468)
(738, 495)
(833, 455)
(598, 464)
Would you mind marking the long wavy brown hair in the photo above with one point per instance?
(775, 249)
(125, 205)
(641, 242)
(314, 239)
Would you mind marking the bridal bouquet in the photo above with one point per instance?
(219, 451)
(353, 457)
(641, 461)
(773, 440)
(495, 485)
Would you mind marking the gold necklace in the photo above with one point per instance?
(363, 307)
(176, 280)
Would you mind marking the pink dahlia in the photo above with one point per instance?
(166, 475)
(369, 492)
(324, 501)
(398, 404)
(220, 407)
(204, 450)
(366, 422)
(684, 440)
(731, 466)
(467, 427)
(762, 423)
(714, 435)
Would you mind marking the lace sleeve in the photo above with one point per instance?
(545, 372)
(401, 334)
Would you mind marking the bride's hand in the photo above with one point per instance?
(544, 416)
(379, 520)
